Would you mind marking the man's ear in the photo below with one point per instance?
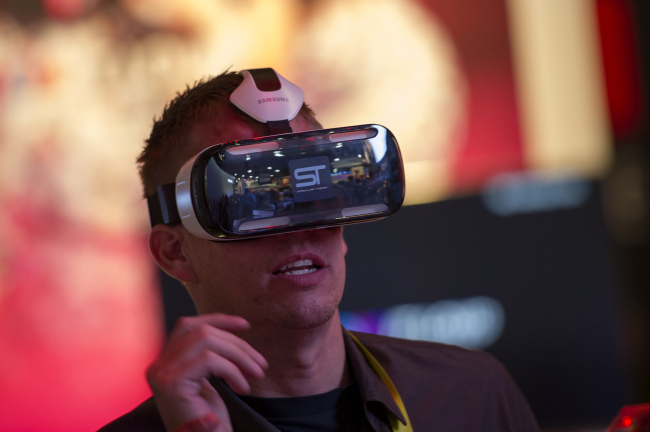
(167, 245)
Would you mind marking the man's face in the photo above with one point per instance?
(292, 280)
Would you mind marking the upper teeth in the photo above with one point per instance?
(300, 263)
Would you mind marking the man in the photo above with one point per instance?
(267, 351)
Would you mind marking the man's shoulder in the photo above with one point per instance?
(432, 353)
(144, 417)
(451, 385)
(440, 361)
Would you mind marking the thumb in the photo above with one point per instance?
(210, 395)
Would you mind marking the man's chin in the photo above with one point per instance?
(306, 318)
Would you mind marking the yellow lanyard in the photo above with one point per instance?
(395, 424)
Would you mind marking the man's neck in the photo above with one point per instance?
(301, 362)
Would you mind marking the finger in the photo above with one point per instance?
(207, 363)
(213, 398)
(236, 342)
(222, 343)
(191, 329)
(237, 350)
(224, 322)
(179, 411)
(183, 379)
(229, 372)
(221, 321)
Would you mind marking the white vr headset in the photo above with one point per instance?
(285, 181)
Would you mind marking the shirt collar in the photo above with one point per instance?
(371, 386)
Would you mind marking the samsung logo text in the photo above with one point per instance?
(272, 99)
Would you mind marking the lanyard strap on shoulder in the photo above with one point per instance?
(395, 424)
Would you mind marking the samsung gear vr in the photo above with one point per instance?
(285, 181)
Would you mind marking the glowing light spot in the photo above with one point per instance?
(626, 421)
(475, 322)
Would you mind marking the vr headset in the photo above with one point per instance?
(285, 181)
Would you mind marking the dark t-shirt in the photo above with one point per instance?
(339, 410)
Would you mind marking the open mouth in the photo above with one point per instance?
(299, 267)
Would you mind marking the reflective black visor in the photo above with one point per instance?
(284, 183)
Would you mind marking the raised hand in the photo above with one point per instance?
(198, 348)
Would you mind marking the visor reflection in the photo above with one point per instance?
(264, 223)
(363, 210)
(253, 148)
(355, 135)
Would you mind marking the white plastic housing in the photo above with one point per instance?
(265, 106)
